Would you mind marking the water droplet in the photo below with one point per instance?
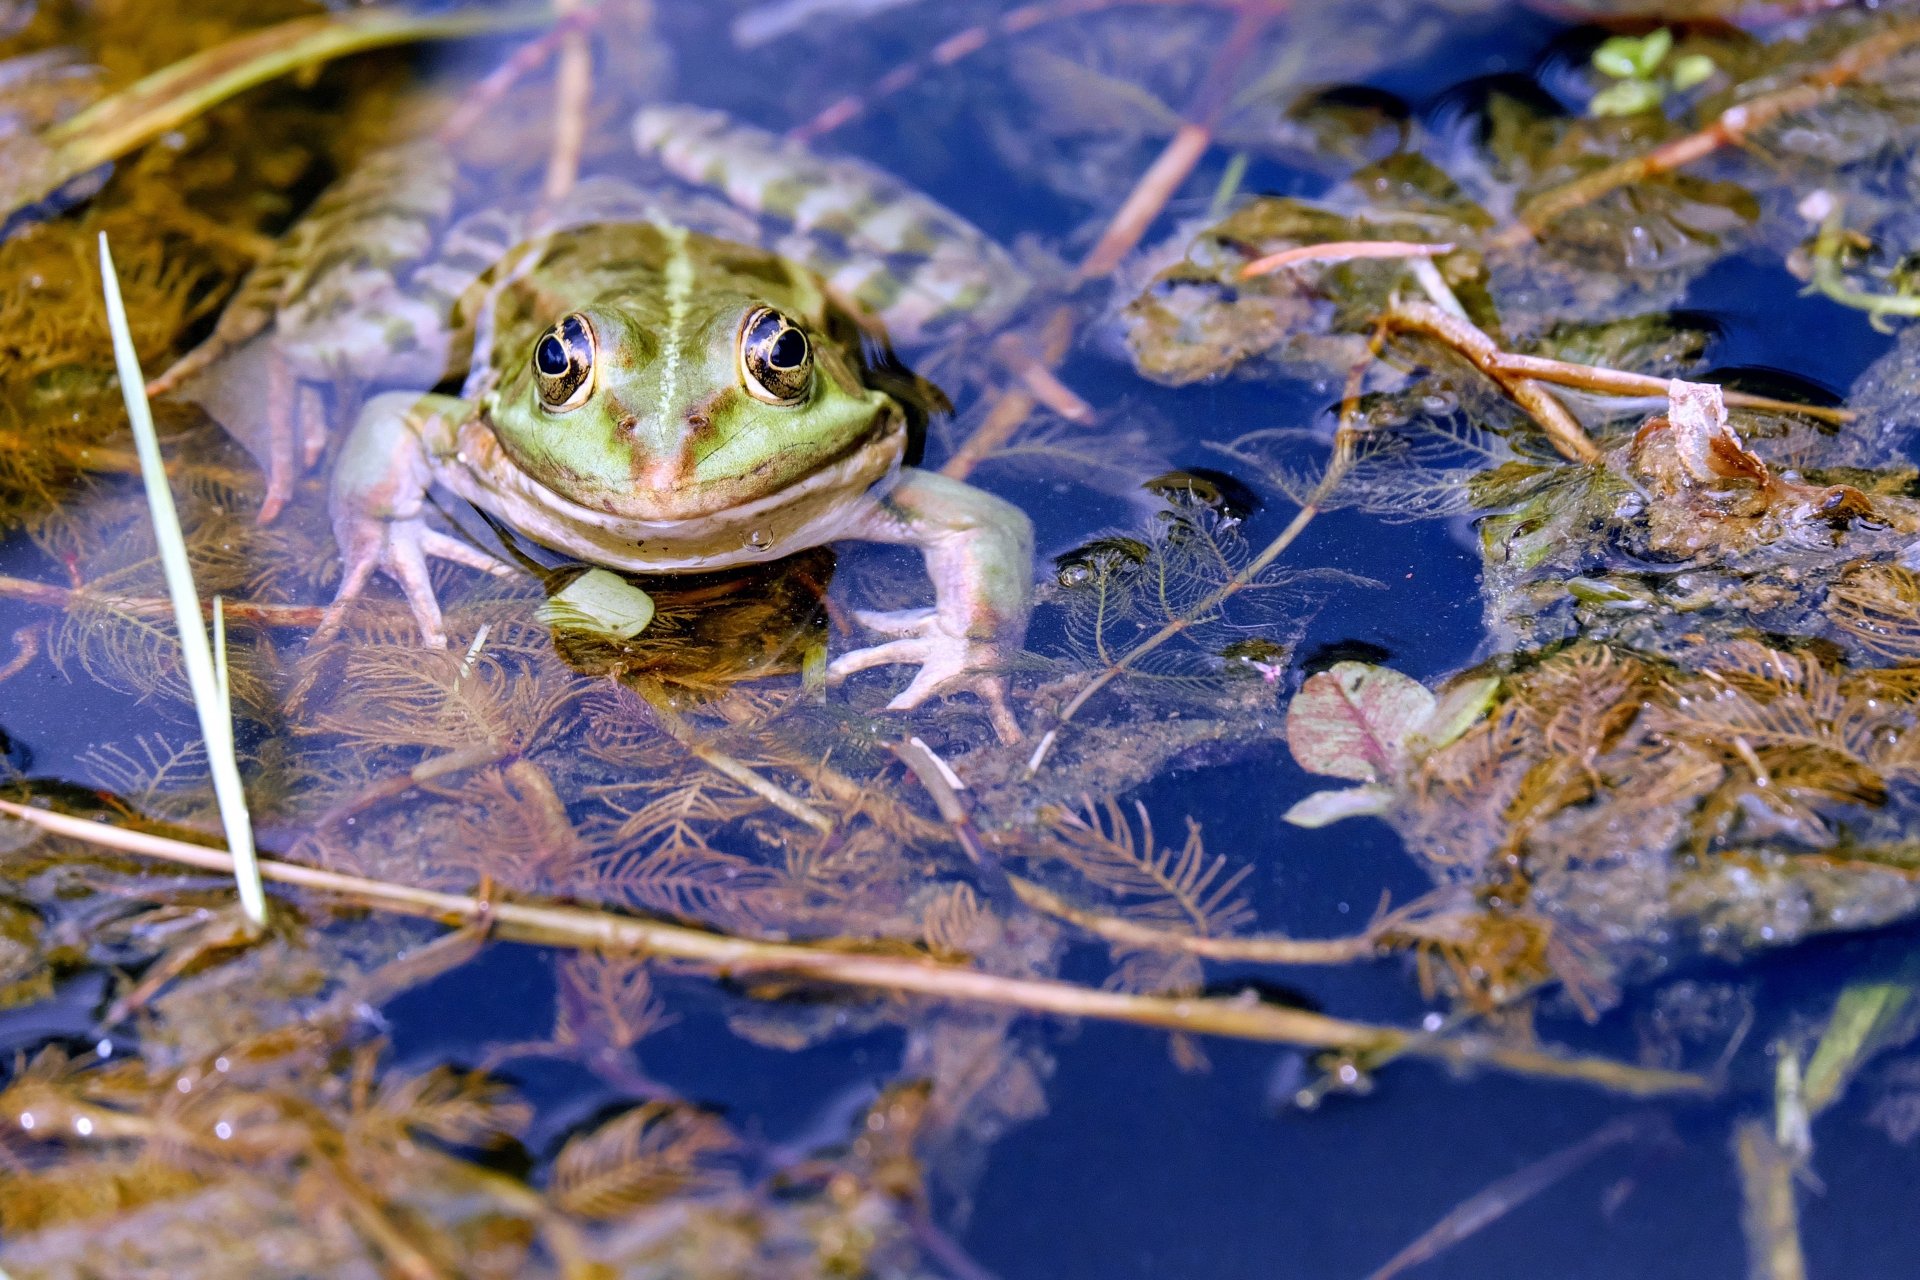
(760, 540)
(83, 1126)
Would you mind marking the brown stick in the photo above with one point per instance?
(746, 958)
(1247, 950)
(572, 94)
(1473, 343)
(1189, 143)
(1017, 403)
(1616, 382)
(1341, 251)
(500, 81)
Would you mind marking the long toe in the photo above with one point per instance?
(900, 622)
(892, 653)
(442, 547)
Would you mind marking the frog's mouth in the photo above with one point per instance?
(713, 529)
(669, 486)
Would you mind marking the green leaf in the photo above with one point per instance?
(1694, 69)
(1618, 57)
(1353, 721)
(1324, 808)
(1628, 98)
(1868, 1017)
(1652, 52)
(1458, 710)
(599, 602)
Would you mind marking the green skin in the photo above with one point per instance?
(667, 461)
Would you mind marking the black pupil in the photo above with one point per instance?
(551, 356)
(789, 351)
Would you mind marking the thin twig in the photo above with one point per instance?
(720, 762)
(1183, 152)
(501, 80)
(572, 95)
(1245, 950)
(1017, 403)
(1344, 439)
(1501, 1197)
(1530, 394)
(746, 958)
(1177, 626)
(1617, 382)
(1341, 251)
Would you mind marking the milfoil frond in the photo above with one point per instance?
(638, 1158)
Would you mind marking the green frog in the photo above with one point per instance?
(638, 393)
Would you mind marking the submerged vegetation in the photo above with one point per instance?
(1691, 727)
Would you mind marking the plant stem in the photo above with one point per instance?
(738, 958)
(206, 669)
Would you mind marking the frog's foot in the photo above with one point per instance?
(948, 664)
(296, 434)
(399, 548)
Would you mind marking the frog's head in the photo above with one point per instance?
(680, 404)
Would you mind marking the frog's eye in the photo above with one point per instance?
(776, 361)
(563, 364)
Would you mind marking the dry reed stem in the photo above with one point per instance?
(1768, 1214)
(1341, 251)
(1616, 382)
(501, 80)
(1246, 950)
(738, 959)
(572, 95)
(1017, 403)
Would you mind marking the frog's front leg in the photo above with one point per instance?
(379, 505)
(979, 552)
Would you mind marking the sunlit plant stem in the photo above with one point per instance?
(206, 672)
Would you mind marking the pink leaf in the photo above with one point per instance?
(1353, 720)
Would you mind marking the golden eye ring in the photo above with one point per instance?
(563, 364)
(775, 358)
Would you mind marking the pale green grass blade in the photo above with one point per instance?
(209, 697)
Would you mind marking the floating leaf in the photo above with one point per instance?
(599, 602)
(1324, 808)
(1353, 721)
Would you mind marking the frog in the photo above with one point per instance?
(640, 393)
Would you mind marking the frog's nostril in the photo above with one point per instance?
(630, 426)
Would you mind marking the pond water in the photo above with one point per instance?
(1455, 809)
